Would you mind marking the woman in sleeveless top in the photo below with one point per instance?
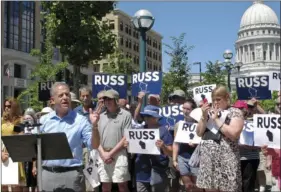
(219, 168)
(12, 117)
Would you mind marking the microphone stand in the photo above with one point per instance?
(39, 152)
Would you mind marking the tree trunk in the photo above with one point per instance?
(76, 79)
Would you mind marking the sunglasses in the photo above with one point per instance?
(8, 106)
(107, 98)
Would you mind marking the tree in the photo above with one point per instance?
(80, 33)
(214, 74)
(178, 76)
(44, 71)
(119, 64)
(269, 105)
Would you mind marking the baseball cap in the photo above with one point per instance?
(112, 94)
(179, 93)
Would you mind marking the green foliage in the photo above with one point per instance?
(119, 64)
(269, 105)
(178, 76)
(214, 74)
(79, 32)
(44, 71)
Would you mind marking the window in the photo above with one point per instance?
(111, 25)
(137, 47)
(264, 55)
(126, 28)
(121, 40)
(130, 44)
(121, 26)
(160, 57)
(270, 55)
(17, 70)
(159, 46)
(129, 30)
(127, 43)
(263, 32)
(253, 56)
(19, 21)
(252, 33)
(56, 55)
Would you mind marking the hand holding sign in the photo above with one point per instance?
(4, 156)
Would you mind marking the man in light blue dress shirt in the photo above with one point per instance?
(67, 174)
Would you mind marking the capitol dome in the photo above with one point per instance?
(259, 15)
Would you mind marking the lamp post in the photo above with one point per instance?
(200, 69)
(143, 22)
(227, 55)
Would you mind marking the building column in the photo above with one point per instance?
(274, 52)
(279, 58)
(267, 52)
(250, 53)
(244, 54)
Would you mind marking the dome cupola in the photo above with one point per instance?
(259, 15)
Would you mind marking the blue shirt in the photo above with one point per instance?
(151, 168)
(78, 130)
(81, 111)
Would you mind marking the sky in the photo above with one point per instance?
(211, 27)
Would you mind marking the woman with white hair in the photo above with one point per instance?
(28, 120)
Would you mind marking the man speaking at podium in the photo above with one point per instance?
(66, 174)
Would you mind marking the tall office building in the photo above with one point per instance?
(21, 32)
(128, 42)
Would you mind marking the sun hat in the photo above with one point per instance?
(151, 110)
(74, 98)
(46, 110)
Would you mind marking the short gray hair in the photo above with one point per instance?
(55, 85)
(85, 88)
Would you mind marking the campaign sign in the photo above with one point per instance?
(10, 171)
(253, 87)
(247, 135)
(267, 130)
(102, 81)
(203, 93)
(148, 82)
(44, 89)
(143, 141)
(170, 115)
(186, 133)
(211, 125)
(274, 81)
(91, 169)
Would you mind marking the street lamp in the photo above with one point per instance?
(200, 70)
(143, 22)
(227, 55)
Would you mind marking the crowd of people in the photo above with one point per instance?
(218, 163)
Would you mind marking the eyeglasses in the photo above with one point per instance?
(8, 106)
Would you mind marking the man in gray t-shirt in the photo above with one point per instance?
(113, 162)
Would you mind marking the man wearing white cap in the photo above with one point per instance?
(74, 101)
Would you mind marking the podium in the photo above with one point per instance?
(45, 146)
